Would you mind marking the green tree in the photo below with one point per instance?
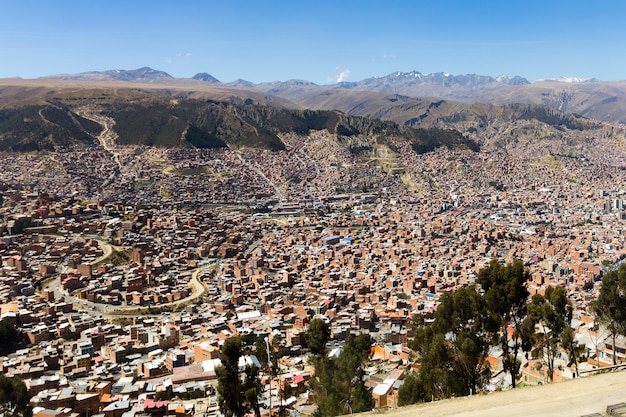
(436, 370)
(549, 312)
(14, 399)
(338, 386)
(8, 336)
(276, 352)
(463, 316)
(231, 397)
(260, 348)
(412, 390)
(317, 335)
(454, 347)
(610, 307)
(363, 346)
(252, 389)
(573, 348)
(353, 356)
(506, 300)
(326, 392)
(361, 399)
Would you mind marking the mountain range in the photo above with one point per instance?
(590, 98)
(65, 116)
(150, 107)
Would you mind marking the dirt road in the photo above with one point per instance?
(571, 398)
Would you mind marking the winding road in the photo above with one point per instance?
(110, 311)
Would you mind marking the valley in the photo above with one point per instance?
(235, 219)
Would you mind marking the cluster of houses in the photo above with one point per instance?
(83, 247)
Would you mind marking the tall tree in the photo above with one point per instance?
(573, 348)
(317, 335)
(550, 313)
(230, 391)
(276, 352)
(361, 399)
(412, 390)
(506, 300)
(327, 394)
(8, 336)
(260, 349)
(353, 356)
(455, 346)
(610, 307)
(14, 399)
(436, 371)
(252, 389)
(339, 384)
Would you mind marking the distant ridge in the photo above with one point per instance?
(413, 84)
(144, 74)
(241, 83)
(572, 80)
(403, 80)
(140, 116)
(588, 97)
(206, 77)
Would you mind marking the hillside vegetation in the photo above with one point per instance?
(45, 116)
(49, 127)
(160, 120)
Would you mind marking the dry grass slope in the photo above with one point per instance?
(571, 398)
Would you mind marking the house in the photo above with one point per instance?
(386, 394)
(116, 409)
(613, 354)
(155, 408)
(535, 372)
(46, 412)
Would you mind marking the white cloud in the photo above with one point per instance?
(343, 75)
(188, 54)
(389, 56)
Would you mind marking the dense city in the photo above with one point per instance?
(127, 270)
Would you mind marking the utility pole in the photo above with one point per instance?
(269, 363)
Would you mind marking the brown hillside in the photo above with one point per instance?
(573, 398)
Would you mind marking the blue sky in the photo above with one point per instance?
(321, 41)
